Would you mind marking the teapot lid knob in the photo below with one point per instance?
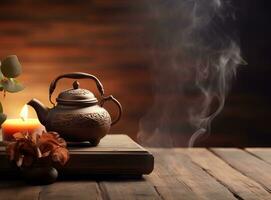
(76, 85)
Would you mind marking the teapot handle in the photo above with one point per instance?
(110, 97)
(75, 75)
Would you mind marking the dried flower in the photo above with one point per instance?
(28, 148)
(59, 155)
(24, 150)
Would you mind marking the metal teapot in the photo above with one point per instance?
(78, 116)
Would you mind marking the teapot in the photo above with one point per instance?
(78, 116)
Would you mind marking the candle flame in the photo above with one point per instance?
(24, 113)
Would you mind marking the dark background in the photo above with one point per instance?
(246, 114)
(109, 39)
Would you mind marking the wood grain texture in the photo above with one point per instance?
(262, 153)
(70, 190)
(178, 174)
(247, 164)
(18, 190)
(115, 155)
(235, 181)
(129, 190)
(175, 175)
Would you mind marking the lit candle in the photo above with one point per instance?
(24, 125)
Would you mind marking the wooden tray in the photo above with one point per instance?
(115, 155)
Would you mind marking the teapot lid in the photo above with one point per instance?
(76, 95)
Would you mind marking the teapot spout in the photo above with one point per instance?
(41, 110)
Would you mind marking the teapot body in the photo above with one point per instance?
(78, 124)
(78, 116)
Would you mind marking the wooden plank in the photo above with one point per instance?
(239, 184)
(128, 190)
(70, 190)
(164, 179)
(247, 164)
(176, 177)
(118, 142)
(18, 190)
(115, 155)
(262, 153)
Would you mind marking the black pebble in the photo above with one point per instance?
(40, 175)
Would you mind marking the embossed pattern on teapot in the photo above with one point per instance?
(78, 116)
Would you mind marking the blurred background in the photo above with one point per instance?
(112, 40)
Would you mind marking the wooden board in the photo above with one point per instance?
(179, 173)
(261, 153)
(242, 186)
(62, 190)
(115, 155)
(70, 190)
(240, 160)
(188, 179)
(139, 189)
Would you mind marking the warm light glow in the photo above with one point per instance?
(22, 124)
(24, 112)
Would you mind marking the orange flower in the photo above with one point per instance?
(60, 155)
(52, 145)
(27, 148)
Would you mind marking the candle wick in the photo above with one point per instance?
(23, 118)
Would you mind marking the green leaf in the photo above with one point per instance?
(11, 67)
(1, 74)
(3, 118)
(12, 85)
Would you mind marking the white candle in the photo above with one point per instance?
(23, 125)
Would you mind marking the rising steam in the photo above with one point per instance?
(195, 54)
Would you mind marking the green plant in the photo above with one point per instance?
(10, 68)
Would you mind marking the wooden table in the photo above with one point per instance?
(179, 173)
